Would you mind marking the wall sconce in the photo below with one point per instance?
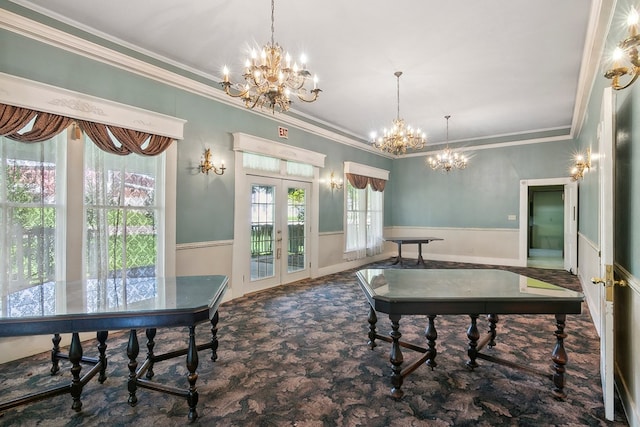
(207, 165)
(334, 183)
(627, 49)
(582, 165)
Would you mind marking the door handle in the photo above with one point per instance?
(598, 280)
(608, 280)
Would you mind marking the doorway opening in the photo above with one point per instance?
(545, 246)
(548, 224)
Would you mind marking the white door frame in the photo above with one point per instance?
(242, 215)
(570, 219)
(606, 167)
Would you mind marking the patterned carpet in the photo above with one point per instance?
(297, 355)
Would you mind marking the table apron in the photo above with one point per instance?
(476, 307)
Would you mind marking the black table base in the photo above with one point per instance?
(99, 366)
(146, 368)
(475, 345)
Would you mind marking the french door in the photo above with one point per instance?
(278, 235)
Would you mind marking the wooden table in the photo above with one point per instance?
(88, 306)
(433, 292)
(411, 241)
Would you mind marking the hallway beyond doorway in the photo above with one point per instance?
(545, 258)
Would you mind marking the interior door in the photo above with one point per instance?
(571, 227)
(606, 160)
(279, 232)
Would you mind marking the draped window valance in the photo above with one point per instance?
(359, 176)
(47, 125)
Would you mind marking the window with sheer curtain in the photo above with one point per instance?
(31, 223)
(364, 222)
(123, 210)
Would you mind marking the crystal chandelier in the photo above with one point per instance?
(400, 137)
(447, 159)
(271, 79)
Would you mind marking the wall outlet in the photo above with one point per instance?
(511, 217)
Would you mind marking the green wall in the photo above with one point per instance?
(204, 203)
(627, 174)
(483, 195)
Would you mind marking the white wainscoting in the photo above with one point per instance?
(498, 246)
(588, 267)
(195, 259)
(331, 254)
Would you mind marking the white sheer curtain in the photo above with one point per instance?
(375, 208)
(364, 233)
(123, 210)
(356, 221)
(31, 223)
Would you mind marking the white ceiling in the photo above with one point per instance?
(498, 67)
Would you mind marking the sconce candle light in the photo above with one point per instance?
(627, 50)
(582, 165)
(206, 164)
(334, 183)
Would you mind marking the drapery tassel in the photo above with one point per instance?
(76, 132)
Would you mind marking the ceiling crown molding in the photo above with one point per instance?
(60, 39)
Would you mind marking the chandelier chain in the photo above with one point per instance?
(398, 74)
(273, 8)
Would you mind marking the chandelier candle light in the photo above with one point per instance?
(400, 136)
(271, 79)
(627, 50)
(448, 159)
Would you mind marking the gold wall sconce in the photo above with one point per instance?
(335, 184)
(581, 166)
(206, 164)
(627, 51)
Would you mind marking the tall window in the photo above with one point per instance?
(123, 211)
(364, 231)
(31, 223)
(122, 216)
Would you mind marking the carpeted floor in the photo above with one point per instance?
(297, 355)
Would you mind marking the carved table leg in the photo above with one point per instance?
(192, 365)
(399, 257)
(75, 356)
(214, 336)
(396, 357)
(55, 366)
(493, 319)
(560, 358)
(473, 334)
(102, 347)
(132, 352)
(431, 334)
(373, 319)
(151, 334)
(420, 259)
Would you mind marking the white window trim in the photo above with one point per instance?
(42, 97)
(50, 99)
(366, 170)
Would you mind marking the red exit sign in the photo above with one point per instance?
(283, 132)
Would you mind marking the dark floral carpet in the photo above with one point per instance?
(297, 355)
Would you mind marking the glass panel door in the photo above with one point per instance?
(278, 235)
(297, 226)
(263, 226)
